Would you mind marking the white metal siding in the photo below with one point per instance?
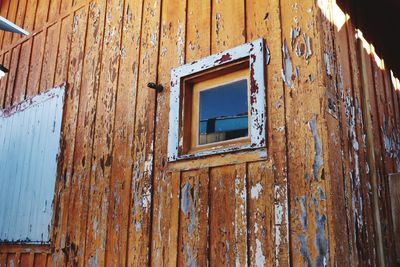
(29, 144)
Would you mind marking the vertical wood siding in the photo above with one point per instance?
(30, 142)
(332, 135)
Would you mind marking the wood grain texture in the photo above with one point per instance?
(122, 162)
(315, 195)
(101, 158)
(171, 54)
(139, 245)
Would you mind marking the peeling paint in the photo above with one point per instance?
(303, 215)
(260, 258)
(256, 190)
(287, 70)
(185, 198)
(320, 242)
(304, 250)
(327, 64)
(294, 33)
(318, 160)
(307, 42)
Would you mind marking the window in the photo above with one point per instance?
(29, 143)
(218, 104)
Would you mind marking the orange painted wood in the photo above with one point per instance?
(27, 259)
(21, 78)
(335, 167)
(75, 62)
(40, 260)
(100, 177)
(11, 15)
(228, 223)
(122, 155)
(261, 214)
(143, 155)
(54, 9)
(62, 190)
(305, 117)
(3, 81)
(12, 75)
(263, 20)
(360, 188)
(49, 58)
(3, 259)
(12, 260)
(193, 245)
(3, 12)
(20, 18)
(171, 54)
(79, 195)
(35, 65)
(61, 68)
(227, 25)
(119, 202)
(42, 12)
(30, 14)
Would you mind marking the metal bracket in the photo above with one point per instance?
(158, 87)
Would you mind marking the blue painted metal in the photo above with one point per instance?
(29, 145)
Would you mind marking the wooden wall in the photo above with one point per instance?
(333, 120)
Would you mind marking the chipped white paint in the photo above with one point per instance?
(256, 190)
(260, 258)
(255, 52)
(29, 144)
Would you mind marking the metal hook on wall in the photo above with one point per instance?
(158, 87)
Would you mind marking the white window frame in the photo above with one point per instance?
(255, 52)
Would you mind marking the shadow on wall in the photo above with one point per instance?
(368, 211)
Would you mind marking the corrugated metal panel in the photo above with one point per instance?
(29, 144)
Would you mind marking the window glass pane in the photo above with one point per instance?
(223, 112)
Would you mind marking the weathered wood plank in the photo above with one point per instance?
(329, 23)
(100, 177)
(4, 80)
(23, 70)
(42, 12)
(20, 18)
(171, 54)
(227, 25)
(381, 122)
(122, 158)
(3, 12)
(80, 181)
(261, 214)
(3, 259)
(29, 20)
(362, 213)
(62, 190)
(74, 72)
(12, 76)
(27, 259)
(12, 259)
(40, 259)
(35, 65)
(306, 131)
(50, 57)
(374, 155)
(61, 69)
(194, 219)
(228, 215)
(263, 20)
(11, 15)
(54, 9)
(350, 185)
(141, 187)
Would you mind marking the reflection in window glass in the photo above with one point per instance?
(223, 112)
